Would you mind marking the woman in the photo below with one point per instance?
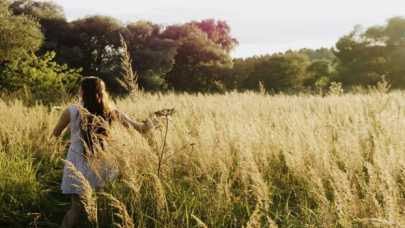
(94, 99)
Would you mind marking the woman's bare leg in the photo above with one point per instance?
(72, 216)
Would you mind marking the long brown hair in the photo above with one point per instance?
(95, 100)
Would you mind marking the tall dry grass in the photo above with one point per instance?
(233, 160)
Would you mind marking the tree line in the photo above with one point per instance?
(41, 50)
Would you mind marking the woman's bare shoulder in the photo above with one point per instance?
(63, 122)
(66, 113)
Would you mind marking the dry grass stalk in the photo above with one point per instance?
(130, 82)
(199, 222)
(131, 184)
(376, 221)
(254, 220)
(122, 211)
(159, 195)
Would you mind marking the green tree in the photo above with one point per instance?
(279, 72)
(320, 53)
(98, 38)
(54, 25)
(359, 61)
(235, 77)
(93, 44)
(201, 55)
(319, 73)
(19, 35)
(152, 56)
(365, 55)
(39, 10)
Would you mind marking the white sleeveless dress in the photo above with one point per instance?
(75, 157)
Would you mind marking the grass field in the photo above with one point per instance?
(233, 160)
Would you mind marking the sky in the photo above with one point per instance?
(261, 26)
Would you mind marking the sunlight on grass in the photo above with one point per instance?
(233, 160)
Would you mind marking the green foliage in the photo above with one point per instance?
(98, 39)
(39, 10)
(152, 55)
(236, 77)
(279, 72)
(318, 54)
(366, 54)
(319, 73)
(19, 35)
(54, 27)
(203, 51)
(40, 74)
(20, 38)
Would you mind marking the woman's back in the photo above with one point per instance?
(77, 159)
(75, 130)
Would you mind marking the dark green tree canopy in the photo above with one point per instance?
(98, 38)
(279, 72)
(152, 55)
(319, 73)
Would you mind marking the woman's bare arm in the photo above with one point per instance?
(62, 124)
(142, 128)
